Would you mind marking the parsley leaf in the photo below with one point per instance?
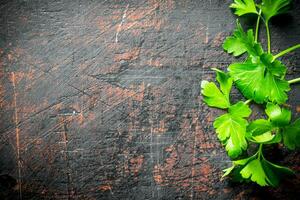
(242, 42)
(227, 171)
(267, 131)
(259, 126)
(215, 97)
(262, 131)
(255, 172)
(278, 116)
(231, 128)
(225, 82)
(260, 79)
(243, 7)
(257, 169)
(275, 172)
(271, 8)
(268, 138)
(291, 135)
(275, 67)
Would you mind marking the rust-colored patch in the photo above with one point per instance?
(103, 24)
(133, 54)
(218, 40)
(115, 95)
(19, 76)
(154, 62)
(1, 64)
(171, 161)
(240, 195)
(157, 175)
(17, 133)
(9, 57)
(81, 118)
(158, 179)
(227, 190)
(136, 32)
(170, 148)
(2, 96)
(209, 117)
(166, 5)
(197, 170)
(298, 109)
(160, 129)
(205, 169)
(105, 187)
(140, 94)
(143, 18)
(139, 14)
(136, 164)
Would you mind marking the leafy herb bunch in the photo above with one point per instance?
(261, 79)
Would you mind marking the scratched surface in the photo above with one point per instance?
(100, 100)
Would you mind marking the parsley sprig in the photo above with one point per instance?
(261, 79)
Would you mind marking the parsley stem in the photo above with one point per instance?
(248, 101)
(257, 25)
(268, 35)
(260, 151)
(286, 51)
(296, 80)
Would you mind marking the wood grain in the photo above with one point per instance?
(101, 99)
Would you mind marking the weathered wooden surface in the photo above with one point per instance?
(100, 100)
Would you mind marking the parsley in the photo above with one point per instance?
(242, 42)
(243, 7)
(257, 169)
(271, 8)
(231, 128)
(261, 79)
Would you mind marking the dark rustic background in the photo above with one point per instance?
(101, 99)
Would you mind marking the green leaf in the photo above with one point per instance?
(243, 7)
(231, 128)
(267, 131)
(227, 171)
(240, 109)
(267, 138)
(262, 131)
(275, 67)
(242, 42)
(275, 172)
(261, 77)
(225, 82)
(255, 172)
(278, 116)
(291, 135)
(261, 171)
(279, 169)
(243, 161)
(234, 170)
(249, 78)
(276, 89)
(256, 81)
(259, 127)
(271, 8)
(212, 95)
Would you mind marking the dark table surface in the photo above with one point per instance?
(101, 99)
